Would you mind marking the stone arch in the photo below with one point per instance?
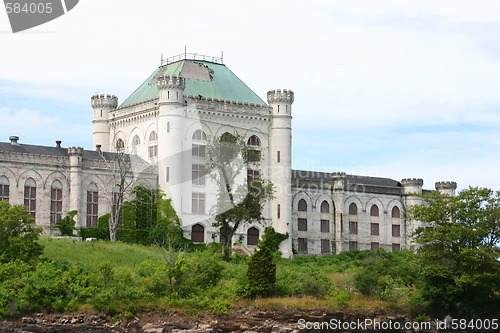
(56, 175)
(375, 201)
(9, 174)
(223, 129)
(30, 173)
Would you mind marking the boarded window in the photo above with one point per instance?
(374, 229)
(302, 224)
(374, 211)
(198, 233)
(325, 207)
(353, 228)
(325, 225)
(325, 246)
(353, 245)
(396, 213)
(396, 230)
(302, 245)
(374, 246)
(353, 209)
(302, 206)
(252, 236)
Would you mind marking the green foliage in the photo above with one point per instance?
(18, 237)
(67, 224)
(100, 232)
(459, 256)
(261, 274)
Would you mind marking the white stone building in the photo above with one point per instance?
(167, 121)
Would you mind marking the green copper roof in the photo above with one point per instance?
(203, 78)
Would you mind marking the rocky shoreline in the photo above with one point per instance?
(242, 320)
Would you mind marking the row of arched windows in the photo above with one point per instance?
(198, 234)
(324, 207)
(374, 211)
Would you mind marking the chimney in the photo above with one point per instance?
(13, 140)
(58, 144)
(98, 148)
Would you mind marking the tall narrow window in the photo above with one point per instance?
(278, 156)
(4, 188)
(55, 202)
(374, 211)
(153, 145)
(325, 207)
(278, 211)
(168, 126)
(30, 196)
(198, 203)
(396, 214)
(92, 205)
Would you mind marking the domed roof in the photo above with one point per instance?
(203, 78)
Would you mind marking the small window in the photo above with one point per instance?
(325, 225)
(302, 242)
(253, 141)
(353, 228)
(153, 136)
(252, 236)
(374, 246)
(253, 175)
(353, 209)
(325, 246)
(198, 174)
(396, 214)
(198, 233)
(278, 156)
(198, 203)
(136, 140)
(153, 145)
(396, 230)
(120, 145)
(168, 126)
(302, 206)
(199, 135)
(302, 224)
(353, 245)
(374, 229)
(325, 207)
(374, 211)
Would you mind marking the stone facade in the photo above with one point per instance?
(167, 122)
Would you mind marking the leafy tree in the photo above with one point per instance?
(18, 236)
(261, 274)
(67, 224)
(240, 199)
(459, 253)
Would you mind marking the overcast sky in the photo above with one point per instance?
(382, 88)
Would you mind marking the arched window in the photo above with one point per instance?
(227, 137)
(353, 209)
(302, 205)
(30, 196)
(92, 205)
(253, 141)
(252, 236)
(153, 145)
(396, 213)
(199, 135)
(120, 145)
(199, 147)
(4, 188)
(55, 202)
(325, 207)
(136, 140)
(198, 233)
(374, 211)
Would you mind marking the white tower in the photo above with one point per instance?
(102, 105)
(280, 150)
(75, 174)
(446, 188)
(170, 137)
(412, 188)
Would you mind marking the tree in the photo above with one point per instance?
(240, 197)
(67, 225)
(261, 273)
(18, 236)
(459, 253)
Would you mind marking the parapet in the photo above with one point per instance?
(280, 96)
(446, 185)
(171, 82)
(75, 151)
(412, 182)
(104, 101)
(338, 175)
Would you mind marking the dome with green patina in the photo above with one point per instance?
(204, 79)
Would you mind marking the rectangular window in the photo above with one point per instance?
(302, 242)
(55, 205)
(374, 229)
(278, 157)
(353, 245)
(278, 211)
(199, 150)
(198, 174)
(4, 192)
(153, 151)
(252, 175)
(198, 203)
(325, 246)
(396, 230)
(374, 246)
(167, 174)
(30, 200)
(325, 225)
(396, 247)
(92, 208)
(353, 228)
(302, 224)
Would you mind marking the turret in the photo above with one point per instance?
(338, 180)
(170, 136)
(446, 187)
(75, 175)
(102, 105)
(412, 188)
(280, 150)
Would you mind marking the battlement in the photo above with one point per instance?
(171, 82)
(75, 151)
(446, 185)
(338, 175)
(412, 182)
(104, 101)
(280, 96)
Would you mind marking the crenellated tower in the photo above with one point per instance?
(412, 188)
(280, 150)
(102, 105)
(446, 187)
(171, 105)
